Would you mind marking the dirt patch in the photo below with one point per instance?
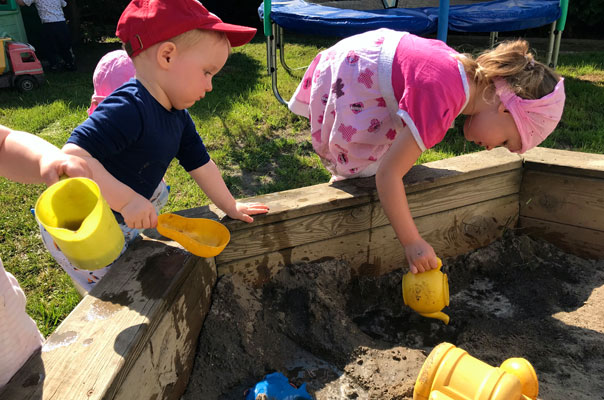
(351, 337)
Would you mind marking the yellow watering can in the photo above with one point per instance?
(450, 373)
(427, 292)
(200, 236)
(81, 223)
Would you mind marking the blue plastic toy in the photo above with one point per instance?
(275, 386)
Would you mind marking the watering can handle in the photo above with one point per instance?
(440, 263)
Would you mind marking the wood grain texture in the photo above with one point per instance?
(92, 352)
(377, 251)
(565, 199)
(583, 242)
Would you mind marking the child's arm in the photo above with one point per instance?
(389, 181)
(210, 181)
(138, 212)
(28, 158)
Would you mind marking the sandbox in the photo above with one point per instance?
(326, 265)
(351, 337)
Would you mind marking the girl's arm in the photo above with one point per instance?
(138, 212)
(210, 181)
(27, 158)
(389, 181)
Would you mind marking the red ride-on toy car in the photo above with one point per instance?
(19, 66)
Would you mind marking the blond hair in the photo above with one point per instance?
(190, 38)
(512, 61)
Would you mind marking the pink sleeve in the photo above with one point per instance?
(430, 109)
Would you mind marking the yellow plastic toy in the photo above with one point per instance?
(81, 223)
(427, 292)
(450, 373)
(201, 236)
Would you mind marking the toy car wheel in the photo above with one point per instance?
(26, 83)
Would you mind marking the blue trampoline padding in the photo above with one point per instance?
(309, 18)
(491, 16)
(500, 15)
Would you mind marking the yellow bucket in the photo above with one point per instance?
(78, 218)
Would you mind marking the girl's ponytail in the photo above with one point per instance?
(512, 61)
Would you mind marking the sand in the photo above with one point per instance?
(351, 337)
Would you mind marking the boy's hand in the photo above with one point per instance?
(244, 210)
(421, 256)
(139, 213)
(52, 167)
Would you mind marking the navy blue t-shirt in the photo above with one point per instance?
(136, 138)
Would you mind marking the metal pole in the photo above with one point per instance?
(443, 20)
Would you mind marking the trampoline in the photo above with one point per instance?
(343, 18)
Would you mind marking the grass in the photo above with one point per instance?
(259, 145)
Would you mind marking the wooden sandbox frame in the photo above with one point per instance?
(134, 336)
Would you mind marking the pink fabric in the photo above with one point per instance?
(112, 71)
(351, 127)
(19, 335)
(535, 119)
(428, 84)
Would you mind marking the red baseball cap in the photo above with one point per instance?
(147, 22)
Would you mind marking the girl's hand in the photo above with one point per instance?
(421, 256)
(244, 210)
(139, 213)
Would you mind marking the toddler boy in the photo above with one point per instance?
(177, 47)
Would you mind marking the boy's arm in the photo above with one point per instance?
(138, 212)
(28, 158)
(389, 181)
(210, 181)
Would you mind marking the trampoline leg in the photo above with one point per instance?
(557, 48)
(550, 46)
(443, 20)
(279, 39)
(493, 38)
(271, 62)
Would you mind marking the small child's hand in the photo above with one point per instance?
(52, 167)
(421, 256)
(244, 210)
(139, 213)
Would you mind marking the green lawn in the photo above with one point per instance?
(259, 145)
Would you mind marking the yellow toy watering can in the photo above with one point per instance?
(200, 236)
(450, 373)
(427, 292)
(81, 223)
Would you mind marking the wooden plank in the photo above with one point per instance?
(377, 251)
(92, 351)
(569, 200)
(261, 239)
(163, 369)
(290, 204)
(584, 242)
(259, 269)
(450, 233)
(565, 162)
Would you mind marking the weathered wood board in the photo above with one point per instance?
(154, 289)
(562, 200)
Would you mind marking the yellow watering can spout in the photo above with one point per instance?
(80, 222)
(437, 315)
